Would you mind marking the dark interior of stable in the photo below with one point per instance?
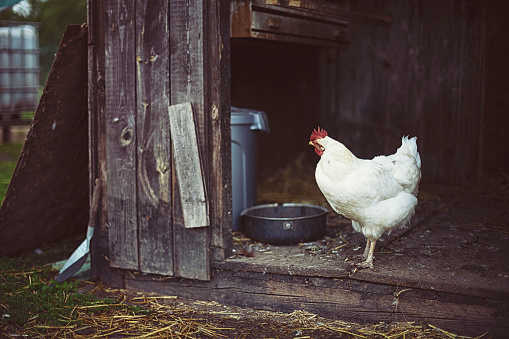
(282, 79)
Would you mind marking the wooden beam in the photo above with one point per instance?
(338, 10)
(339, 297)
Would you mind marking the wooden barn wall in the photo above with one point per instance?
(422, 75)
(495, 153)
(143, 57)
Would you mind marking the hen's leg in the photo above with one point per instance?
(366, 250)
(369, 260)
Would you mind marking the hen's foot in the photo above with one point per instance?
(365, 264)
(358, 260)
(361, 265)
(368, 255)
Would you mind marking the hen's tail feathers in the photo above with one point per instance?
(409, 146)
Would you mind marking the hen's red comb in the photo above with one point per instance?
(318, 134)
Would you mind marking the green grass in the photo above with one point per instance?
(26, 290)
(9, 154)
(32, 303)
(25, 295)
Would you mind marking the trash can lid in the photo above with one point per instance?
(256, 119)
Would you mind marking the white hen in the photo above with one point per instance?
(378, 195)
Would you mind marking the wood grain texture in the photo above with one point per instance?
(494, 157)
(421, 76)
(150, 55)
(191, 252)
(154, 172)
(187, 159)
(217, 110)
(120, 118)
(285, 22)
(287, 28)
(99, 246)
(343, 298)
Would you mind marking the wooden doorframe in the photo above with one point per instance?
(218, 106)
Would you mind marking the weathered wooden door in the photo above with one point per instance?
(146, 57)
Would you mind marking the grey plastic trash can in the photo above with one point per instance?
(245, 124)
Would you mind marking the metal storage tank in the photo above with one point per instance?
(19, 70)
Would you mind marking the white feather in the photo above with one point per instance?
(378, 195)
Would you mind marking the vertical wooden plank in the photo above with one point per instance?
(191, 256)
(187, 159)
(493, 158)
(471, 82)
(153, 137)
(121, 134)
(99, 247)
(217, 106)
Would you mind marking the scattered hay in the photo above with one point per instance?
(150, 319)
(310, 321)
(293, 183)
(137, 315)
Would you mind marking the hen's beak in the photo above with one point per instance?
(311, 143)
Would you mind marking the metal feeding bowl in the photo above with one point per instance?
(285, 224)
